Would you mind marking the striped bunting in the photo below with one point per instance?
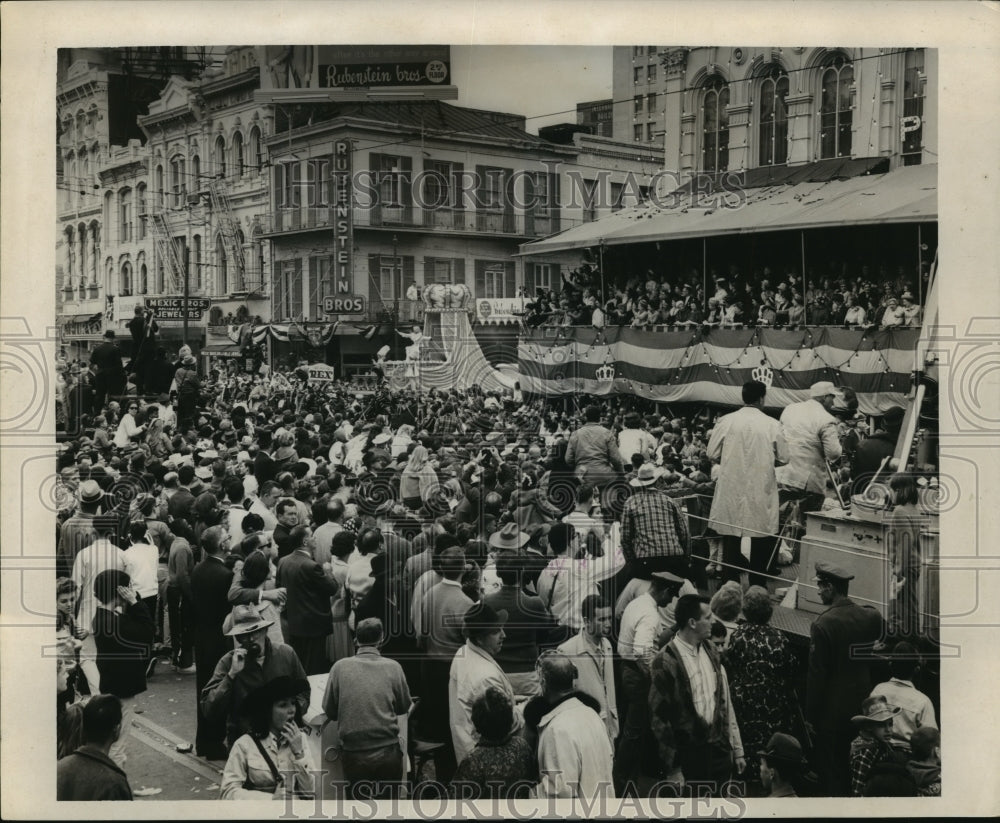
(712, 365)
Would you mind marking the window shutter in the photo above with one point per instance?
(531, 205)
(529, 279)
(405, 187)
(428, 271)
(408, 274)
(458, 269)
(554, 202)
(480, 279)
(510, 279)
(509, 224)
(374, 284)
(458, 201)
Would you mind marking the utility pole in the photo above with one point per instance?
(187, 271)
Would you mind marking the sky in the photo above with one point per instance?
(544, 83)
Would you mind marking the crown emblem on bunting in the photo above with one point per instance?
(606, 373)
(763, 375)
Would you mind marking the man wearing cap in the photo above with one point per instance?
(839, 676)
(366, 694)
(810, 433)
(78, 532)
(654, 529)
(747, 445)
(473, 670)
(243, 670)
(781, 764)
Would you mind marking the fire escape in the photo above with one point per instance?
(228, 225)
(166, 251)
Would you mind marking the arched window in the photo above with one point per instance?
(126, 281)
(221, 266)
(220, 156)
(109, 275)
(239, 264)
(143, 279)
(178, 180)
(140, 211)
(83, 168)
(125, 216)
(835, 108)
(715, 126)
(238, 158)
(72, 185)
(773, 118)
(158, 182)
(255, 156)
(196, 173)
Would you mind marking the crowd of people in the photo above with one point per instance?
(523, 584)
(762, 297)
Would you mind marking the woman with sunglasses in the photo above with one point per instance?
(129, 430)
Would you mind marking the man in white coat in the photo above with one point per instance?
(574, 753)
(748, 445)
(811, 436)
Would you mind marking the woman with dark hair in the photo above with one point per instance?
(260, 761)
(502, 765)
(760, 665)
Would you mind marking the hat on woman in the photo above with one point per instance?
(875, 710)
(509, 537)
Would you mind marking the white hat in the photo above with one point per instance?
(822, 389)
(646, 476)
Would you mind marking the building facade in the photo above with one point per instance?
(723, 109)
(597, 116)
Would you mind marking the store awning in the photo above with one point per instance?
(906, 195)
(231, 350)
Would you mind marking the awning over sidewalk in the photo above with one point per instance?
(906, 195)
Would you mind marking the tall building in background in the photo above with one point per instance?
(597, 116)
(636, 87)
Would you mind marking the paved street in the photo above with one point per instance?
(165, 719)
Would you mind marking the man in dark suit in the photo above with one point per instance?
(307, 609)
(839, 678)
(89, 773)
(142, 327)
(210, 583)
(110, 380)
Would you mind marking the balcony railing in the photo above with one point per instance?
(470, 221)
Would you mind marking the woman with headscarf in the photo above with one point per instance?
(157, 441)
(418, 481)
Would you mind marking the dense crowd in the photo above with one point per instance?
(527, 582)
(762, 297)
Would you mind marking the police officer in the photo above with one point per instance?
(839, 678)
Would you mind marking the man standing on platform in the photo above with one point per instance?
(594, 455)
(839, 678)
(110, 380)
(810, 433)
(748, 445)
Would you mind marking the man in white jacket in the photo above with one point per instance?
(810, 434)
(574, 753)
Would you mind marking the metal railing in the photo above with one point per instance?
(413, 217)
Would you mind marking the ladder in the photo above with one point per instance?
(228, 227)
(173, 266)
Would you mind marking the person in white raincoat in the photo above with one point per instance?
(748, 445)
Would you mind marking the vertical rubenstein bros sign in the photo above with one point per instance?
(342, 301)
